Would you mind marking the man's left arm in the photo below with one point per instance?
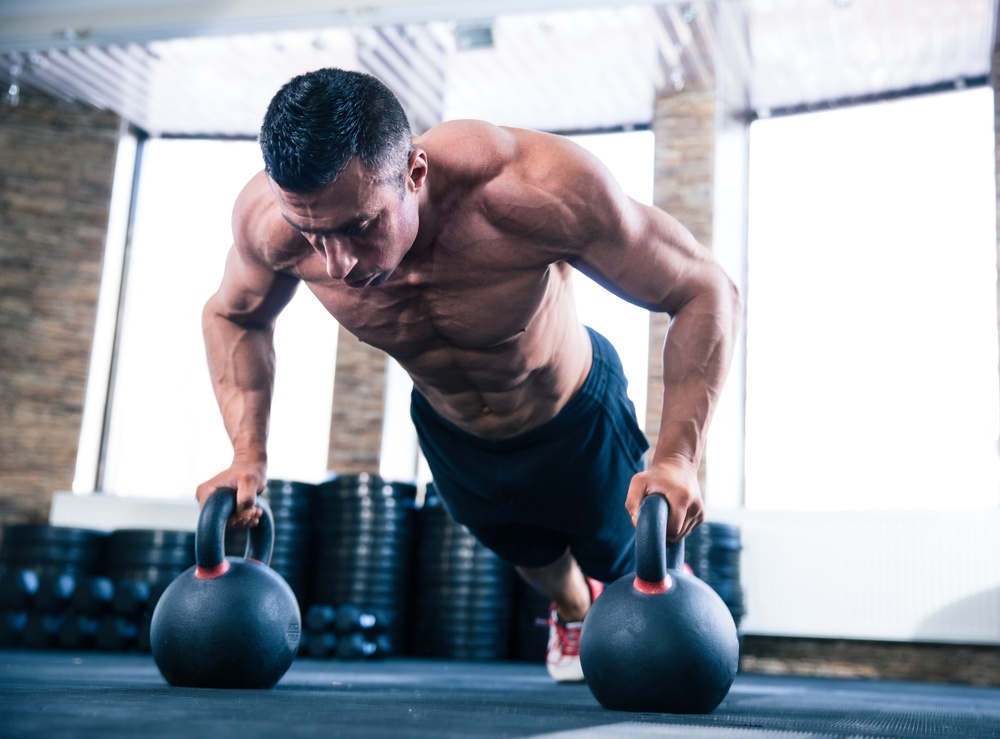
(647, 257)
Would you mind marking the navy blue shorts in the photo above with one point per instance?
(562, 484)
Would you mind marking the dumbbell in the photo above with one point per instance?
(17, 589)
(93, 595)
(55, 592)
(131, 598)
(351, 619)
(116, 633)
(322, 644)
(356, 646)
(78, 630)
(321, 618)
(41, 630)
(12, 625)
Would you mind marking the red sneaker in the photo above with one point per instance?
(563, 655)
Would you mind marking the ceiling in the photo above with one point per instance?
(178, 67)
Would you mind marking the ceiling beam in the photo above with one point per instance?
(27, 25)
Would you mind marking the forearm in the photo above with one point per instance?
(241, 365)
(697, 353)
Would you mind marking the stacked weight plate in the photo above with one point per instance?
(463, 602)
(293, 505)
(363, 544)
(713, 552)
(142, 563)
(529, 630)
(40, 568)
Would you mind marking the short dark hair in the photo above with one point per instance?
(319, 121)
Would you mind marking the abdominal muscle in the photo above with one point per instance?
(508, 390)
(495, 352)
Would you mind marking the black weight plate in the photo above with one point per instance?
(146, 574)
(121, 552)
(353, 481)
(456, 643)
(291, 488)
(151, 538)
(386, 530)
(390, 510)
(394, 560)
(294, 546)
(55, 553)
(724, 557)
(285, 525)
(291, 504)
(288, 544)
(446, 561)
(361, 549)
(720, 572)
(485, 626)
(362, 567)
(716, 530)
(374, 576)
(300, 573)
(429, 578)
(368, 596)
(334, 509)
(447, 599)
(293, 559)
(371, 579)
(18, 534)
(463, 601)
(471, 610)
(155, 558)
(456, 633)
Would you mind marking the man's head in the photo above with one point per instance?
(320, 121)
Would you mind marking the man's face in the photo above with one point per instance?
(361, 227)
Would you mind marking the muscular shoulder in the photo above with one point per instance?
(260, 234)
(535, 184)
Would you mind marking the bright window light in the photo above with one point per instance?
(165, 433)
(872, 308)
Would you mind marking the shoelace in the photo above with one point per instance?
(569, 639)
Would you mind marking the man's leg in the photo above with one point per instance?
(571, 593)
(565, 585)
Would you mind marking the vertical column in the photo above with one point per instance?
(995, 83)
(358, 407)
(55, 190)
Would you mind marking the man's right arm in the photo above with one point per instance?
(238, 324)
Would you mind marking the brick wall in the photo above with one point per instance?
(55, 187)
(358, 407)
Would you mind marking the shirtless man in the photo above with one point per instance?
(453, 253)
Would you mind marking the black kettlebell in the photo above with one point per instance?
(227, 622)
(660, 641)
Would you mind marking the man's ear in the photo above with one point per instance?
(417, 173)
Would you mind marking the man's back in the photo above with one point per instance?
(481, 312)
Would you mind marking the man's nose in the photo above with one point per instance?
(339, 257)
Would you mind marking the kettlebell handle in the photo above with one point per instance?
(654, 555)
(209, 539)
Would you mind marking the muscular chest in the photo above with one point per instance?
(465, 305)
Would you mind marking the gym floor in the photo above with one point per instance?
(94, 694)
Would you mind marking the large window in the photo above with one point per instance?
(165, 433)
(872, 308)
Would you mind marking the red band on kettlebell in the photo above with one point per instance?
(255, 560)
(207, 573)
(653, 588)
